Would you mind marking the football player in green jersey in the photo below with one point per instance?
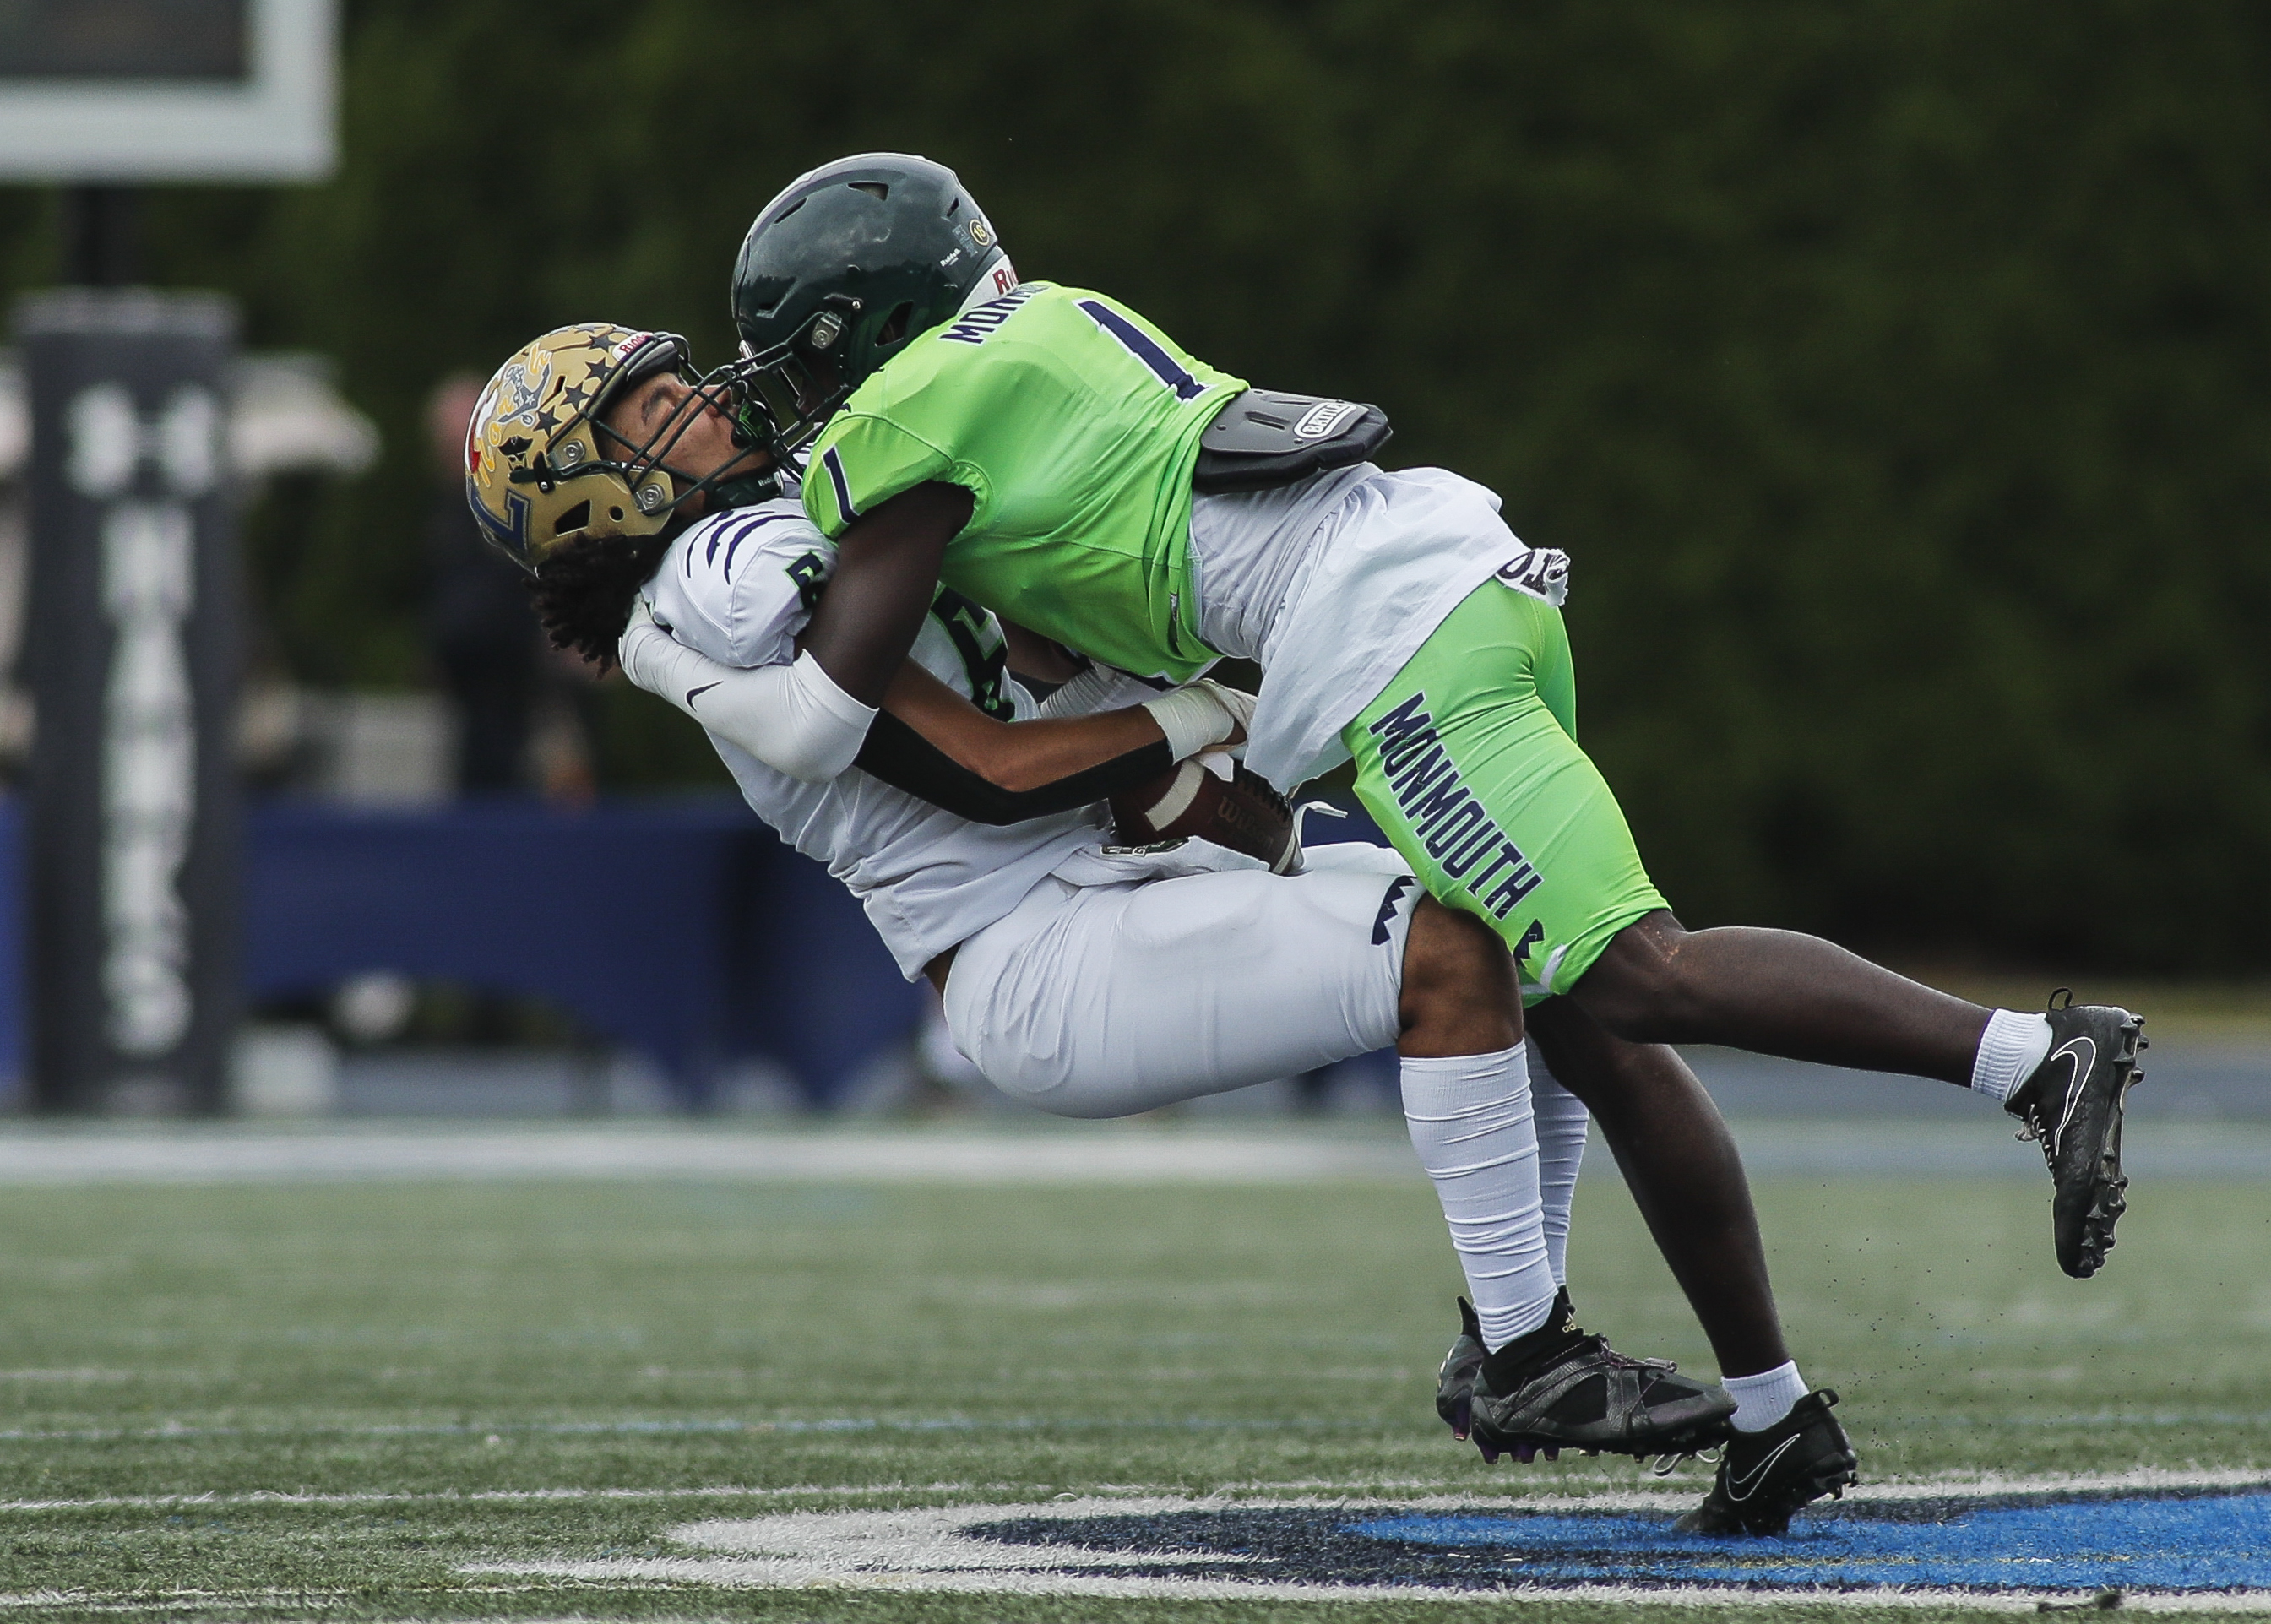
(1076, 471)
(1089, 979)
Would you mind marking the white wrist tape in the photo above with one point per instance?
(1200, 714)
(1191, 717)
(791, 717)
(1237, 701)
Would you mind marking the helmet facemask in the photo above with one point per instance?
(637, 463)
(544, 468)
(790, 390)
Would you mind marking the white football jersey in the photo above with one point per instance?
(1332, 584)
(739, 586)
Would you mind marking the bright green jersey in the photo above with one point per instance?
(1074, 423)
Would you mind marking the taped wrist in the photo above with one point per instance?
(791, 717)
(1192, 717)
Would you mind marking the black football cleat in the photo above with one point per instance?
(2071, 1105)
(1765, 1476)
(1557, 1389)
(1455, 1381)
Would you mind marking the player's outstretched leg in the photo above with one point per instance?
(1765, 1476)
(2065, 1075)
(1537, 1382)
(1469, 762)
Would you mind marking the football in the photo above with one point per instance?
(1240, 811)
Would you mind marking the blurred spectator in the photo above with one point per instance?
(479, 624)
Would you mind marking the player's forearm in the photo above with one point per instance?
(1020, 757)
(903, 758)
(887, 565)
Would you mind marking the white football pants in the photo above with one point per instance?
(1106, 1000)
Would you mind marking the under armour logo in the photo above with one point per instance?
(110, 442)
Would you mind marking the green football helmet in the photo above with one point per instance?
(843, 271)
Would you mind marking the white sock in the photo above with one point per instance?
(1562, 1122)
(2013, 1046)
(1469, 1119)
(1765, 1398)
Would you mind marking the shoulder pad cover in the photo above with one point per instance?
(1263, 439)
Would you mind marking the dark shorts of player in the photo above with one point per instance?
(1469, 762)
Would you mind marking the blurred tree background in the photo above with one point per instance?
(1894, 373)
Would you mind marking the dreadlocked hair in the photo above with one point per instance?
(583, 590)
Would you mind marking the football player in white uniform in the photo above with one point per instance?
(1089, 980)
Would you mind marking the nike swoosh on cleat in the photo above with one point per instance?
(1757, 1474)
(704, 689)
(2084, 1054)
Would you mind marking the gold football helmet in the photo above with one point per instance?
(540, 469)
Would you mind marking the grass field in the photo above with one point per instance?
(375, 1388)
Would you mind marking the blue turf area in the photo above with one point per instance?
(2204, 1543)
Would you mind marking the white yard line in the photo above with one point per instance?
(1302, 1492)
(1045, 1154)
(475, 1497)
